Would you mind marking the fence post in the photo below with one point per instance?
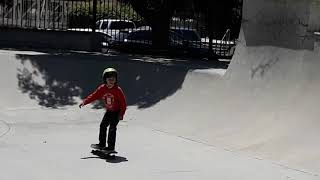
(94, 15)
(210, 21)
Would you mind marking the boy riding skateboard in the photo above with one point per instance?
(115, 104)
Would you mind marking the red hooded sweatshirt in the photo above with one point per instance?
(113, 98)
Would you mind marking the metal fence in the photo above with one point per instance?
(92, 15)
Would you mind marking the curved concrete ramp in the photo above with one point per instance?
(186, 119)
(275, 71)
(266, 104)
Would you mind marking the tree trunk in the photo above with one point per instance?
(158, 18)
(160, 31)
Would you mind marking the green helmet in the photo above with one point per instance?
(108, 73)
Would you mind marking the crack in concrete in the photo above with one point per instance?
(263, 67)
(8, 128)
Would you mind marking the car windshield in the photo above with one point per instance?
(121, 25)
(98, 25)
(120, 36)
(104, 25)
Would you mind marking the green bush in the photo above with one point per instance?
(81, 15)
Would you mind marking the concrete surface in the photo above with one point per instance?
(258, 119)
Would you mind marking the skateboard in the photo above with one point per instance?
(106, 153)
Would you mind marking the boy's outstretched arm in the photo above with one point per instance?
(97, 94)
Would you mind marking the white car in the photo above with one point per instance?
(114, 26)
(109, 27)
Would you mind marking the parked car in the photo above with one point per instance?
(187, 34)
(186, 41)
(119, 37)
(188, 37)
(224, 47)
(114, 26)
(110, 27)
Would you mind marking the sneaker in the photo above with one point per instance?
(97, 146)
(108, 149)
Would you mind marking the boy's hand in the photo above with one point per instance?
(120, 118)
(81, 105)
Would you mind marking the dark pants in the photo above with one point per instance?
(109, 119)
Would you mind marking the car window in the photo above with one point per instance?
(120, 36)
(175, 38)
(191, 35)
(104, 25)
(98, 25)
(121, 25)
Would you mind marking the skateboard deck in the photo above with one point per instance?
(103, 151)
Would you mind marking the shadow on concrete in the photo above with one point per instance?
(56, 79)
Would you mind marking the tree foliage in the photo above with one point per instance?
(81, 15)
(6, 2)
